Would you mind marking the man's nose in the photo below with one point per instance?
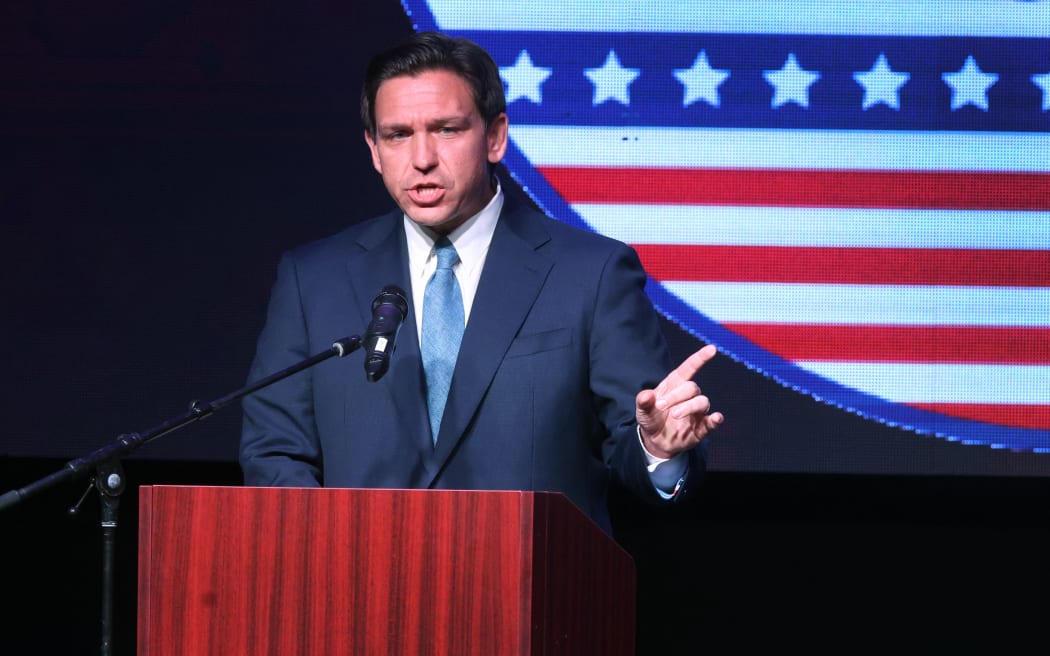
(424, 153)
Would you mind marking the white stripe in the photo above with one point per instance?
(782, 149)
(824, 227)
(855, 17)
(745, 302)
(941, 383)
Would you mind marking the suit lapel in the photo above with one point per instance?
(513, 276)
(381, 261)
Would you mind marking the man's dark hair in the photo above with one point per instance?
(432, 51)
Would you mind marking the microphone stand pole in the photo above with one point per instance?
(108, 476)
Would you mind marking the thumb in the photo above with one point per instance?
(645, 412)
(645, 402)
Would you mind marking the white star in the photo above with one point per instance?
(611, 80)
(524, 79)
(791, 83)
(881, 84)
(701, 81)
(970, 85)
(1043, 82)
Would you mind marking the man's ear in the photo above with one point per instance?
(497, 138)
(375, 152)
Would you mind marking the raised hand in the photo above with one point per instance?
(676, 416)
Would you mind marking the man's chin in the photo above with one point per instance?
(435, 218)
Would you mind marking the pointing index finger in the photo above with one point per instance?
(692, 365)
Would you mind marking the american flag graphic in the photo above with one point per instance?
(852, 198)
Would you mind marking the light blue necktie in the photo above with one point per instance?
(442, 330)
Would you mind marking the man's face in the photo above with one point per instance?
(432, 148)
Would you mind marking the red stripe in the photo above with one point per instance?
(876, 266)
(940, 344)
(802, 188)
(1019, 416)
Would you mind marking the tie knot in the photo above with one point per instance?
(446, 253)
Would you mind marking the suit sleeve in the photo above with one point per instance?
(279, 441)
(628, 354)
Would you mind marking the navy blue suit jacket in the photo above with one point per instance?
(561, 337)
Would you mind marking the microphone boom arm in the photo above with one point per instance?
(198, 410)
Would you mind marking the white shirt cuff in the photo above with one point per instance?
(666, 474)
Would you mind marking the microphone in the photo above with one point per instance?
(389, 309)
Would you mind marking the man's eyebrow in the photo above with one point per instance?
(390, 126)
(440, 120)
(451, 118)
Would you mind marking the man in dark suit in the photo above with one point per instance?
(561, 376)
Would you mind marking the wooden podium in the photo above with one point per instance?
(242, 570)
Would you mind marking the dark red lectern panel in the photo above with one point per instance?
(239, 570)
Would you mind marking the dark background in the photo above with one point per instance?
(156, 159)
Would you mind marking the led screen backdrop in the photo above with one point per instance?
(851, 198)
